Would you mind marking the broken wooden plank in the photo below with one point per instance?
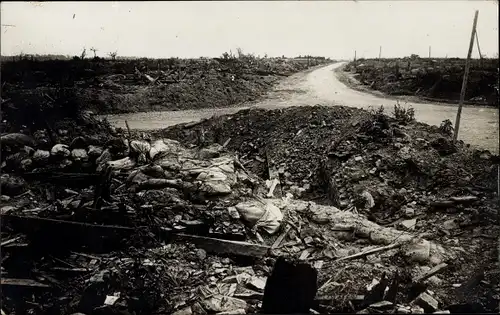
(437, 269)
(224, 246)
(280, 239)
(10, 241)
(371, 251)
(23, 283)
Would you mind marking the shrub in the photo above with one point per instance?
(404, 115)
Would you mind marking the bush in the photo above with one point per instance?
(446, 127)
(404, 115)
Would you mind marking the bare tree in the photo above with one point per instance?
(113, 55)
(84, 53)
(94, 50)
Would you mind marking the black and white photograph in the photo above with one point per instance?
(249, 157)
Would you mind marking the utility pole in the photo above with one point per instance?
(466, 75)
(429, 52)
(379, 52)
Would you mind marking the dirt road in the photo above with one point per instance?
(479, 126)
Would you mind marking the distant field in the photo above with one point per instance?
(437, 79)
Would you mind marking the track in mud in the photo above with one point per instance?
(479, 126)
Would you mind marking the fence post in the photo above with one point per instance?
(466, 75)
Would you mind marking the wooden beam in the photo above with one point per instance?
(219, 246)
(466, 77)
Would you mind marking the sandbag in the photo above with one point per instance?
(61, 150)
(260, 214)
(122, 164)
(17, 139)
(141, 147)
(79, 155)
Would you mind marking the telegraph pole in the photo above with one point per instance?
(429, 52)
(379, 52)
(466, 75)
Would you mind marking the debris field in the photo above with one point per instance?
(369, 213)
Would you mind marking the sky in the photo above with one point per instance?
(193, 29)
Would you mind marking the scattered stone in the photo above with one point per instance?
(418, 251)
(4, 198)
(442, 312)
(409, 224)
(257, 283)
(450, 224)
(427, 302)
(409, 212)
(201, 254)
(358, 158)
(184, 311)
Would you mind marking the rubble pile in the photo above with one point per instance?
(144, 224)
(428, 78)
(123, 86)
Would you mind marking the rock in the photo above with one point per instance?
(62, 132)
(418, 251)
(369, 201)
(184, 311)
(233, 213)
(450, 224)
(358, 159)
(409, 212)
(78, 143)
(442, 312)
(201, 254)
(41, 157)
(4, 198)
(409, 224)
(79, 155)
(257, 283)
(427, 302)
(60, 150)
(94, 151)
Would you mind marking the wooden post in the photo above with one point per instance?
(429, 52)
(478, 48)
(466, 75)
(379, 52)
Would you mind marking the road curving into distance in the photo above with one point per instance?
(479, 125)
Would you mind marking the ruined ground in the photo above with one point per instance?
(431, 79)
(190, 220)
(123, 86)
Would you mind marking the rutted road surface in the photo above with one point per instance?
(479, 125)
